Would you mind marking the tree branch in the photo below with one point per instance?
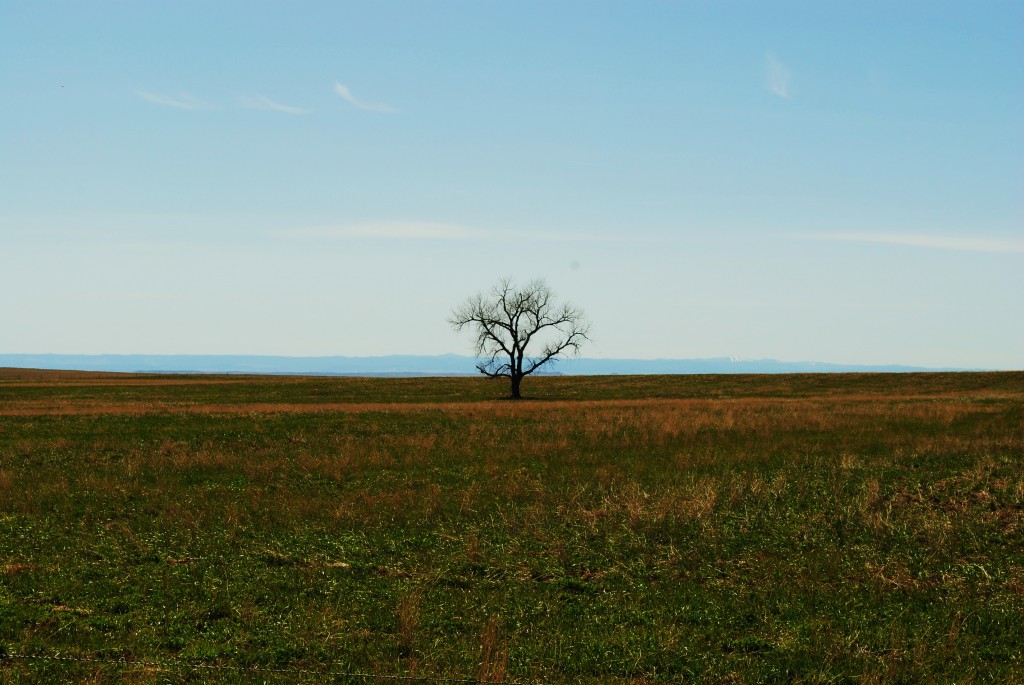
(508, 319)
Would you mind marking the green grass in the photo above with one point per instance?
(813, 528)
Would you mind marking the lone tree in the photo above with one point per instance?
(508, 319)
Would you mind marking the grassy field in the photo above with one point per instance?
(814, 528)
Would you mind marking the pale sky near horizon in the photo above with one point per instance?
(837, 182)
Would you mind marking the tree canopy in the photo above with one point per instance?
(507, 320)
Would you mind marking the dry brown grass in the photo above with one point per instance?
(493, 653)
(6, 481)
(16, 377)
(607, 419)
(566, 431)
(11, 568)
(407, 613)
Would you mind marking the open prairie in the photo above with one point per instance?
(810, 528)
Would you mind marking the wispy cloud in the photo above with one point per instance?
(940, 242)
(347, 95)
(777, 76)
(421, 230)
(262, 102)
(183, 101)
(430, 230)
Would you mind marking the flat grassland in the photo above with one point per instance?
(810, 528)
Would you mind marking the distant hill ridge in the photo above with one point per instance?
(417, 365)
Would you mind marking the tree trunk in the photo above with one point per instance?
(516, 381)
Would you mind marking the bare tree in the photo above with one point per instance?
(507, 319)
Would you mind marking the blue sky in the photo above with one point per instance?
(838, 182)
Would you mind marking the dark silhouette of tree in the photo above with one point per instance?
(508, 319)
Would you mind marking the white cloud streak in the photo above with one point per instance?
(347, 95)
(777, 76)
(427, 230)
(183, 101)
(417, 230)
(262, 102)
(958, 243)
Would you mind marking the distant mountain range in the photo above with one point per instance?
(412, 365)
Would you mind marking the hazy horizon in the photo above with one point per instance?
(441, 364)
(840, 183)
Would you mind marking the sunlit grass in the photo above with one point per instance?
(864, 528)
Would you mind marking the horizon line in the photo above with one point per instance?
(278, 362)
